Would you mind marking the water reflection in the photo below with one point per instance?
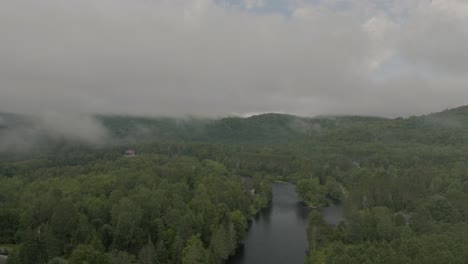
(302, 211)
(277, 234)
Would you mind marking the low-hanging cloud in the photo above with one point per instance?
(204, 58)
(21, 133)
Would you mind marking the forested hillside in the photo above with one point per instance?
(187, 195)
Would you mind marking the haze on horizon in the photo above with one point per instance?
(215, 58)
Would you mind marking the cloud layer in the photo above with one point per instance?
(214, 58)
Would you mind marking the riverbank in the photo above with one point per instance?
(277, 234)
(5, 249)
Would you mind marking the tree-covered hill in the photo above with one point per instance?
(429, 129)
(188, 193)
(447, 127)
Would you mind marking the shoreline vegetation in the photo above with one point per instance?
(179, 199)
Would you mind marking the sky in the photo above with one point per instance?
(222, 57)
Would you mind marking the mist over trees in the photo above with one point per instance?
(187, 195)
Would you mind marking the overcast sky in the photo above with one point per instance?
(219, 57)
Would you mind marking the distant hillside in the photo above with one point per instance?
(451, 118)
(258, 128)
(458, 111)
(447, 127)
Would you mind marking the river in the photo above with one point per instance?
(3, 259)
(277, 235)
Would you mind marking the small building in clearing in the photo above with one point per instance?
(130, 153)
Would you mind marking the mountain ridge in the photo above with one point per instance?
(445, 127)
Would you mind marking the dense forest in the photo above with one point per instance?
(190, 190)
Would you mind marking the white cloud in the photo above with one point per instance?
(249, 4)
(435, 36)
(181, 57)
(381, 31)
(453, 8)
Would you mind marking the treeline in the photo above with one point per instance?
(396, 212)
(146, 209)
(187, 196)
(378, 235)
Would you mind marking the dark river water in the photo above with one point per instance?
(277, 235)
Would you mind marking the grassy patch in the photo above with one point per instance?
(6, 248)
